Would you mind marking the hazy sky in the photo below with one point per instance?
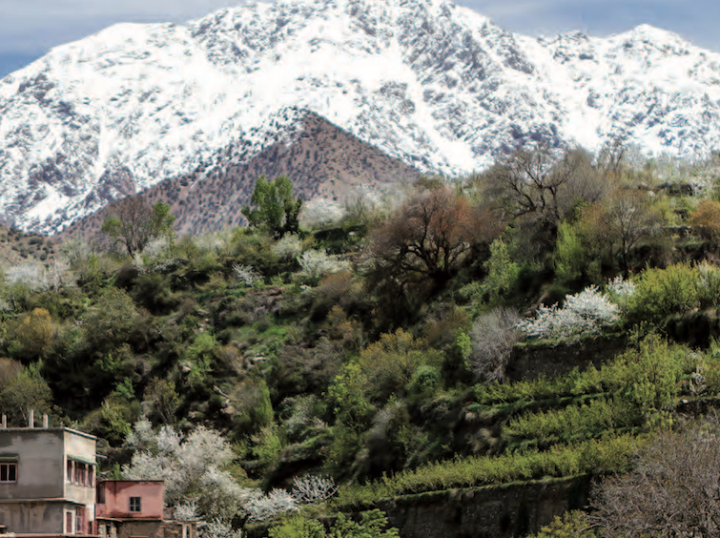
(29, 28)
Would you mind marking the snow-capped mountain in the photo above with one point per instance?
(436, 85)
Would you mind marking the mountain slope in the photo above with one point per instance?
(321, 160)
(433, 84)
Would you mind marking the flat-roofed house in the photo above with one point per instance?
(135, 508)
(47, 480)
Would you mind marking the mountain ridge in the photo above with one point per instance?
(435, 85)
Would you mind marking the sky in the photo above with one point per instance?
(29, 28)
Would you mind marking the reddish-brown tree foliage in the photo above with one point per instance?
(432, 236)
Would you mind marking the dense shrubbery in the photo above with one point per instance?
(354, 352)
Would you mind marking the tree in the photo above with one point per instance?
(535, 188)
(705, 220)
(191, 468)
(673, 491)
(133, 223)
(629, 217)
(275, 209)
(431, 237)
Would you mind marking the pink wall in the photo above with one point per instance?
(117, 494)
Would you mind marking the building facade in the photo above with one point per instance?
(134, 508)
(47, 481)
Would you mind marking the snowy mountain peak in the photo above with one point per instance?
(436, 85)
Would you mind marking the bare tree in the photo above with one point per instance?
(531, 181)
(674, 491)
(537, 189)
(630, 217)
(493, 336)
(133, 222)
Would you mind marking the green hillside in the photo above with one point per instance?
(375, 359)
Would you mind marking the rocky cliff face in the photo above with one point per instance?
(435, 85)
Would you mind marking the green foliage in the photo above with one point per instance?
(298, 526)
(25, 389)
(371, 525)
(569, 254)
(391, 362)
(275, 209)
(113, 321)
(598, 456)
(677, 289)
(503, 271)
(574, 524)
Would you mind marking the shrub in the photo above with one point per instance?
(218, 529)
(584, 313)
(371, 525)
(503, 272)
(317, 263)
(620, 290)
(310, 489)
(673, 490)
(575, 524)
(705, 220)
(679, 288)
(569, 254)
(247, 275)
(493, 336)
(298, 527)
(266, 507)
(391, 362)
(287, 248)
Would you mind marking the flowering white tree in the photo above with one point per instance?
(288, 247)
(192, 468)
(318, 263)
(586, 312)
(265, 507)
(321, 211)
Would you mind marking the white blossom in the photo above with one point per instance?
(310, 489)
(318, 263)
(218, 529)
(190, 467)
(247, 275)
(288, 247)
(275, 503)
(586, 312)
(320, 211)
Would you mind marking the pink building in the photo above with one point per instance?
(134, 499)
(134, 509)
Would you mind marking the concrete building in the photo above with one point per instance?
(47, 480)
(134, 508)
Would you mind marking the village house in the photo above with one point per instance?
(49, 488)
(47, 480)
(134, 508)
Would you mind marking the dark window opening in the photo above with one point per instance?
(135, 504)
(8, 472)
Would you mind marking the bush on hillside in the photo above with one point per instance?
(587, 312)
(493, 336)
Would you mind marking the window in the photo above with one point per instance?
(79, 520)
(82, 474)
(135, 504)
(8, 472)
(69, 523)
(100, 494)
